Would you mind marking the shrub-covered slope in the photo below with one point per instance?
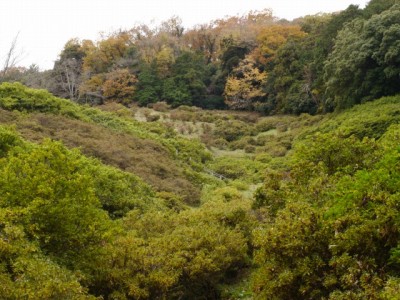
(157, 155)
(331, 228)
(322, 223)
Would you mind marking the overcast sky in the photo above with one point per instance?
(44, 26)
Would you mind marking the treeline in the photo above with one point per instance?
(255, 62)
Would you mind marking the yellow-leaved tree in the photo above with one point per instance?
(101, 56)
(271, 38)
(165, 59)
(243, 86)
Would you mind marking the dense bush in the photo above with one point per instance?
(232, 130)
(334, 234)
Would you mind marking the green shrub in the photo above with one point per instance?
(8, 139)
(62, 213)
(244, 168)
(182, 115)
(160, 106)
(266, 124)
(232, 130)
(153, 118)
(249, 149)
(15, 96)
(371, 119)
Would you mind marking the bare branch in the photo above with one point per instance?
(11, 58)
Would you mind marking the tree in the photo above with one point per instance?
(232, 53)
(376, 7)
(365, 64)
(165, 58)
(243, 87)
(69, 75)
(120, 86)
(245, 28)
(203, 38)
(271, 38)
(290, 84)
(11, 58)
(68, 70)
(101, 57)
(149, 85)
(91, 89)
(173, 26)
(176, 92)
(319, 44)
(189, 70)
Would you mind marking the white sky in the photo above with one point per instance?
(44, 26)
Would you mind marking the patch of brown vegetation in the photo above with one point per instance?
(143, 157)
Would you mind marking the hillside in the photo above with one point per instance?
(194, 204)
(116, 141)
(247, 158)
